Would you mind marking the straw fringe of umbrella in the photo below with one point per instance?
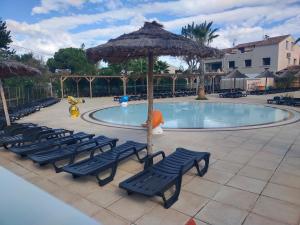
(10, 69)
(13, 68)
(150, 38)
(235, 74)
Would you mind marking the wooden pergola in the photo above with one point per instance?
(125, 78)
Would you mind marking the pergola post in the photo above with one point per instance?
(62, 79)
(191, 82)
(150, 101)
(124, 79)
(187, 81)
(90, 80)
(62, 87)
(51, 88)
(5, 109)
(77, 80)
(173, 85)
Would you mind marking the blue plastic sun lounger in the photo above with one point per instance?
(14, 129)
(28, 135)
(65, 138)
(70, 152)
(156, 179)
(105, 161)
(43, 140)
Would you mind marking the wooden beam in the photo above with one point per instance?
(5, 109)
(150, 101)
(90, 80)
(77, 80)
(124, 79)
(51, 88)
(62, 87)
(173, 85)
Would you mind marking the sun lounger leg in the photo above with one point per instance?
(141, 160)
(204, 170)
(108, 179)
(59, 169)
(169, 202)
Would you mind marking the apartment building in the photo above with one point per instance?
(274, 53)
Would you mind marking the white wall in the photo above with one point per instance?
(277, 53)
(293, 50)
(256, 55)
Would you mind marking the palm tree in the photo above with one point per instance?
(204, 34)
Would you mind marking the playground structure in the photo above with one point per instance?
(74, 109)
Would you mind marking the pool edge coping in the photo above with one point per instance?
(87, 116)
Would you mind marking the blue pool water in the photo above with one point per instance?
(194, 115)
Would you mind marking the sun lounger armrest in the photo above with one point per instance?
(79, 145)
(57, 132)
(149, 159)
(124, 150)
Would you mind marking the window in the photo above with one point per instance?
(287, 45)
(295, 61)
(231, 64)
(248, 63)
(266, 61)
(242, 50)
(289, 61)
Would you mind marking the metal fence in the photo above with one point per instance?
(17, 96)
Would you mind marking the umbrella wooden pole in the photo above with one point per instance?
(234, 81)
(266, 83)
(124, 86)
(150, 102)
(4, 104)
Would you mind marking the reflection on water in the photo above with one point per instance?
(195, 115)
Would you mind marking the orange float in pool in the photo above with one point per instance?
(157, 119)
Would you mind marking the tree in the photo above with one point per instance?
(73, 59)
(134, 66)
(204, 34)
(5, 40)
(21, 81)
(160, 67)
(298, 40)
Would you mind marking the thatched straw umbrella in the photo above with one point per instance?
(149, 41)
(10, 69)
(286, 75)
(266, 74)
(235, 74)
(297, 75)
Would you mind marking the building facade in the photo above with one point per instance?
(274, 53)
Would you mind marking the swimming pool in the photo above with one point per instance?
(194, 115)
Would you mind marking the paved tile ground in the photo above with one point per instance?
(253, 179)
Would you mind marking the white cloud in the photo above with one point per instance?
(56, 5)
(242, 21)
(47, 6)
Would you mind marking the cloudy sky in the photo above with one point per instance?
(44, 26)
